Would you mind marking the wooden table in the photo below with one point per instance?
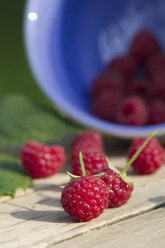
(36, 220)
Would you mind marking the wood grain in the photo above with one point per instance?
(37, 220)
(146, 230)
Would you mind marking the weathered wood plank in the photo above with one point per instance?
(37, 220)
(146, 230)
(19, 192)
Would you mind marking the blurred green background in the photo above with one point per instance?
(38, 120)
(15, 75)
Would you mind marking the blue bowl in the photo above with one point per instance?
(69, 42)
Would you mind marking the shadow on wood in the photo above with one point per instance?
(160, 199)
(47, 187)
(50, 201)
(51, 216)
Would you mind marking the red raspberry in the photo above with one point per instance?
(85, 198)
(120, 186)
(143, 45)
(119, 191)
(124, 66)
(93, 161)
(40, 160)
(159, 85)
(87, 141)
(92, 137)
(151, 157)
(155, 64)
(108, 81)
(141, 88)
(157, 112)
(105, 105)
(83, 147)
(132, 111)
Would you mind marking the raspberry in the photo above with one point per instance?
(157, 112)
(40, 160)
(159, 85)
(124, 66)
(155, 64)
(143, 45)
(92, 137)
(107, 81)
(119, 191)
(91, 146)
(93, 161)
(85, 198)
(132, 111)
(105, 105)
(151, 157)
(87, 141)
(83, 147)
(120, 186)
(141, 88)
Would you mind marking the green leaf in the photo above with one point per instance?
(22, 119)
(11, 176)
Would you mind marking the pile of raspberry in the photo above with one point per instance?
(81, 197)
(131, 89)
(95, 184)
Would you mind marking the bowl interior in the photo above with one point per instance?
(71, 42)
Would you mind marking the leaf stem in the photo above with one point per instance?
(82, 164)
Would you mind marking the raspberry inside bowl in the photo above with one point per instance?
(72, 41)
